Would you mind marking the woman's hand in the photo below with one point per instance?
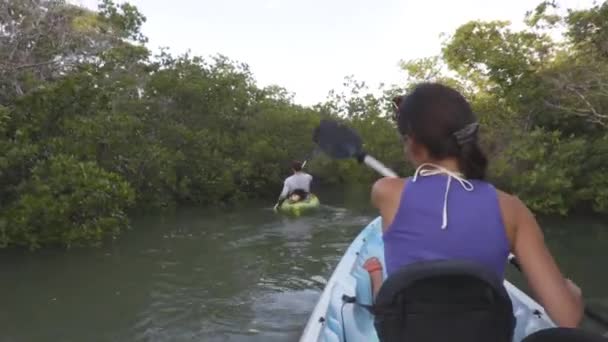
(374, 268)
(372, 265)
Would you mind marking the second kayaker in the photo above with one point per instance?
(297, 186)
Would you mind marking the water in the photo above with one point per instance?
(212, 275)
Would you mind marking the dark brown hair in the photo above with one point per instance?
(296, 165)
(441, 119)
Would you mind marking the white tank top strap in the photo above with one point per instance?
(429, 169)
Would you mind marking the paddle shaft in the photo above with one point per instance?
(377, 166)
(593, 315)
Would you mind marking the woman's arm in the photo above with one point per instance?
(560, 297)
(386, 196)
(374, 268)
(282, 196)
(285, 191)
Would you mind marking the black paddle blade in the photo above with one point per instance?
(337, 140)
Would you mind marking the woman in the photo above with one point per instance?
(447, 210)
(296, 187)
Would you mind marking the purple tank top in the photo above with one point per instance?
(474, 230)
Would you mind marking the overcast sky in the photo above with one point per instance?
(309, 46)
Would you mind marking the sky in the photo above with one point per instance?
(309, 46)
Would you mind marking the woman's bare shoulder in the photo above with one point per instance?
(509, 202)
(388, 184)
(515, 214)
(387, 188)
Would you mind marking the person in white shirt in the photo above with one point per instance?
(297, 186)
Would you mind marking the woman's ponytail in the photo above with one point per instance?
(472, 160)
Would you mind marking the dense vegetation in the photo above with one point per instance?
(543, 104)
(91, 124)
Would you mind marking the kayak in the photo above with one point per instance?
(297, 208)
(331, 319)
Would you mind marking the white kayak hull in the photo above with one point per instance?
(329, 319)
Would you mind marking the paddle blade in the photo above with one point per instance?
(337, 140)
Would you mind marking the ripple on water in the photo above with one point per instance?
(286, 284)
(251, 282)
(282, 312)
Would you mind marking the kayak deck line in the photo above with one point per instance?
(330, 318)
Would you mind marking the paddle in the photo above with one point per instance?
(341, 142)
(593, 315)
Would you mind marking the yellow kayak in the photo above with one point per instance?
(299, 207)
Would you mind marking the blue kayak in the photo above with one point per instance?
(330, 319)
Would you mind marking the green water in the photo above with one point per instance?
(219, 275)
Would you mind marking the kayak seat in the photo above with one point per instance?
(445, 300)
(564, 335)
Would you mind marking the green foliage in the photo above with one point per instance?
(592, 183)
(91, 124)
(66, 202)
(540, 18)
(105, 127)
(588, 30)
(533, 167)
